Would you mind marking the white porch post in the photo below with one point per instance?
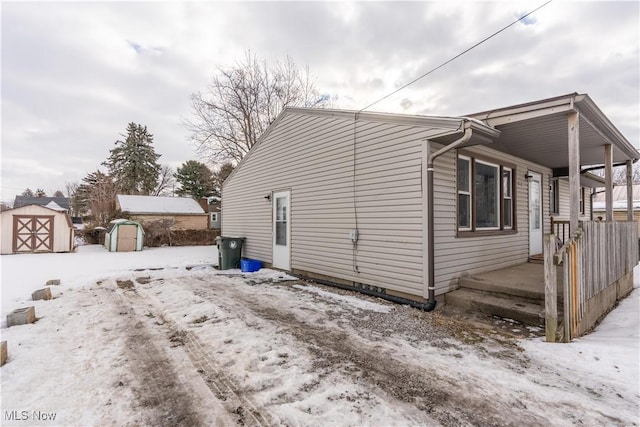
(574, 170)
(608, 181)
(629, 190)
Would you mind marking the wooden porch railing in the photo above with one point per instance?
(598, 263)
(560, 227)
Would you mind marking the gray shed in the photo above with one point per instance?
(124, 235)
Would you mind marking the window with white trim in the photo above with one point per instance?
(486, 199)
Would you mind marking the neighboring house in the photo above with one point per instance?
(184, 213)
(57, 203)
(406, 205)
(78, 223)
(559, 202)
(215, 213)
(211, 205)
(35, 228)
(619, 204)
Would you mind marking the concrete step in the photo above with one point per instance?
(511, 307)
(511, 289)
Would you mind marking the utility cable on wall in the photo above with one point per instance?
(455, 57)
(355, 237)
(355, 232)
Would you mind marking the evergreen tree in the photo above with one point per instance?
(27, 193)
(58, 193)
(195, 180)
(133, 163)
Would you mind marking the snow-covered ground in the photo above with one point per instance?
(159, 337)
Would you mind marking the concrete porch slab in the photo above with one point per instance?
(523, 280)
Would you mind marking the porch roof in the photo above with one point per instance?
(538, 131)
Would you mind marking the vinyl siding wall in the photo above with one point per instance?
(312, 156)
(180, 222)
(563, 214)
(456, 256)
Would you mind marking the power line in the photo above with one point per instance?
(455, 57)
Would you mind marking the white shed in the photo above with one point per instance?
(124, 235)
(35, 228)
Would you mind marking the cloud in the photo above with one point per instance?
(74, 74)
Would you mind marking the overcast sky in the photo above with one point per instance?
(75, 74)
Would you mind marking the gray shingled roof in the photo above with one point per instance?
(20, 201)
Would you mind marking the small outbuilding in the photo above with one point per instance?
(124, 235)
(182, 213)
(35, 228)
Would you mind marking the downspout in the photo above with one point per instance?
(430, 215)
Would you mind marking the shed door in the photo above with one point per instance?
(32, 233)
(281, 230)
(127, 237)
(535, 213)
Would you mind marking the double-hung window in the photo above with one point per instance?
(486, 200)
(507, 198)
(464, 193)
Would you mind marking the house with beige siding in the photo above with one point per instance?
(619, 204)
(405, 205)
(182, 213)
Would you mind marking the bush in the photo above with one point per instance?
(159, 233)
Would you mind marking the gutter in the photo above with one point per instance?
(430, 210)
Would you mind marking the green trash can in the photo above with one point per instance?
(229, 252)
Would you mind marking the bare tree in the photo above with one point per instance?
(97, 195)
(166, 181)
(71, 188)
(619, 174)
(242, 101)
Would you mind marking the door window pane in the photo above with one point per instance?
(281, 221)
(486, 197)
(534, 187)
(281, 209)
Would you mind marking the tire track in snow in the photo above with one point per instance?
(336, 351)
(223, 388)
(159, 390)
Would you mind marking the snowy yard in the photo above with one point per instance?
(159, 337)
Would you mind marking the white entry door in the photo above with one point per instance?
(282, 230)
(535, 213)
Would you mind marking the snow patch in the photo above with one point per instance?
(355, 302)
